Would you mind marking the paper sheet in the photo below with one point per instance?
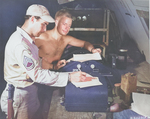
(85, 57)
(141, 104)
(93, 82)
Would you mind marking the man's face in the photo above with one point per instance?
(64, 25)
(39, 27)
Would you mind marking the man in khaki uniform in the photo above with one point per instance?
(22, 67)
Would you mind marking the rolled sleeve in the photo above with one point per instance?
(54, 79)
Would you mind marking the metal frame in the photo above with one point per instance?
(105, 30)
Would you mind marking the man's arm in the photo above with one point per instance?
(91, 48)
(80, 43)
(53, 66)
(31, 66)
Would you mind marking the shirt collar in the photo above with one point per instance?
(21, 31)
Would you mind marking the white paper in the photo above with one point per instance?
(93, 82)
(141, 104)
(86, 57)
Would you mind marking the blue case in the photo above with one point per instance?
(89, 99)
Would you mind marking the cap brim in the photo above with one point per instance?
(48, 19)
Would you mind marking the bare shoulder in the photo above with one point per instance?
(72, 39)
(68, 38)
(44, 35)
(41, 39)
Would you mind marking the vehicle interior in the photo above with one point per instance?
(120, 28)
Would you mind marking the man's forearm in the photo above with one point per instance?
(51, 66)
(47, 65)
(88, 46)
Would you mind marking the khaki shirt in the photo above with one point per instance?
(22, 65)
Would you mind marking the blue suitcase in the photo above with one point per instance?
(89, 99)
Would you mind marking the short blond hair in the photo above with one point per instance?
(63, 12)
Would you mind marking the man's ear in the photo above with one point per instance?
(56, 22)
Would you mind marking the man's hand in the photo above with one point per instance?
(96, 50)
(77, 76)
(60, 64)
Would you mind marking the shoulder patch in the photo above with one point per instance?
(28, 63)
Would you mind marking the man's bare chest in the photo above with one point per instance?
(54, 48)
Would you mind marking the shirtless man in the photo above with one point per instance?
(52, 43)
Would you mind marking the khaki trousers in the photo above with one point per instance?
(26, 103)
